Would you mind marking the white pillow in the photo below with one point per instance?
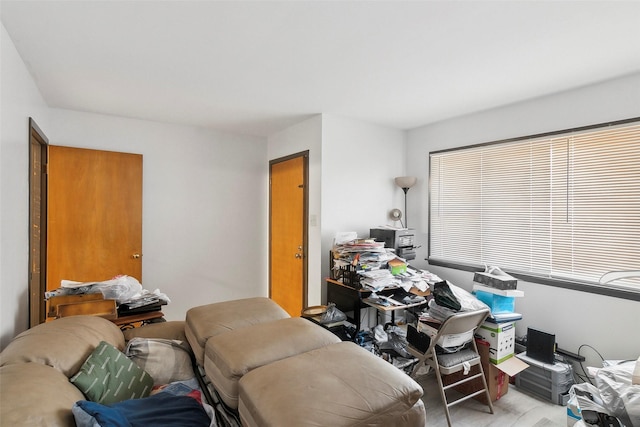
(165, 360)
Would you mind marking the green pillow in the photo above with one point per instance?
(108, 376)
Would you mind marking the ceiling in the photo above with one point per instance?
(256, 67)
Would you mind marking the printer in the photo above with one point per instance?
(400, 239)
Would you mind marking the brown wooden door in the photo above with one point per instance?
(288, 233)
(94, 215)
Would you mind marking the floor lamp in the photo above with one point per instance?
(406, 182)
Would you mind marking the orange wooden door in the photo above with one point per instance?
(288, 262)
(94, 215)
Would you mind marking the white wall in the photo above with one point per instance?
(606, 323)
(306, 135)
(204, 199)
(351, 169)
(19, 100)
(359, 162)
(204, 204)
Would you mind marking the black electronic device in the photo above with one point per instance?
(140, 305)
(541, 346)
(418, 339)
(570, 355)
(399, 239)
(594, 418)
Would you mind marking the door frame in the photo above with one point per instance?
(38, 183)
(305, 221)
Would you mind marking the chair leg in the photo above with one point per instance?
(486, 389)
(443, 393)
(484, 381)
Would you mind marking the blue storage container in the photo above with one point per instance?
(497, 303)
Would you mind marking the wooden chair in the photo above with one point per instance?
(445, 364)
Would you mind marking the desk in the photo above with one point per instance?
(349, 299)
(129, 322)
(96, 305)
(392, 308)
(339, 329)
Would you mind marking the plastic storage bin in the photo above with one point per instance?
(497, 303)
(550, 382)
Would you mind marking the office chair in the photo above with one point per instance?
(449, 363)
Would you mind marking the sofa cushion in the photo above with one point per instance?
(165, 360)
(108, 376)
(63, 344)
(210, 320)
(337, 385)
(231, 355)
(36, 395)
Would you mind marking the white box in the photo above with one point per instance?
(451, 340)
(498, 279)
(503, 293)
(501, 338)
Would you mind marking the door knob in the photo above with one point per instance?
(135, 256)
(298, 255)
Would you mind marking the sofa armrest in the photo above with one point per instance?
(63, 344)
(36, 395)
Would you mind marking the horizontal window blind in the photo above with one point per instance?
(564, 206)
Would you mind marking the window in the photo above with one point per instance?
(561, 208)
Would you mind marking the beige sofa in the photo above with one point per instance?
(278, 370)
(275, 370)
(36, 366)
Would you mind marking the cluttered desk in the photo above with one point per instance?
(366, 274)
(395, 299)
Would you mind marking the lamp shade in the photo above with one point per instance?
(406, 181)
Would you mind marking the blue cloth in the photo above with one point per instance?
(159, 410)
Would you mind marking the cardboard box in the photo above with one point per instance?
(497, 376)
(498, 281)
(397, 266)
(501, 338)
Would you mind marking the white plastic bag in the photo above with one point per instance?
(618, 394)
(468, 301)
(613, 394)
(120, 288)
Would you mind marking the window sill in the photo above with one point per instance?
(588, 287)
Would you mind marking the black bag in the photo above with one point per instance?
(444, 296)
